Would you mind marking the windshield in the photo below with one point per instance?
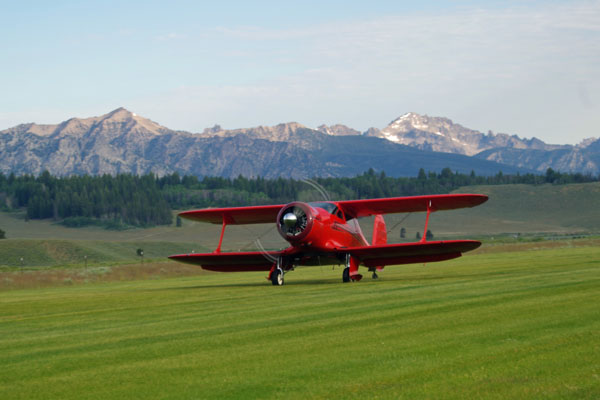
(329, 207)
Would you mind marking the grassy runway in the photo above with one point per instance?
(518, 324)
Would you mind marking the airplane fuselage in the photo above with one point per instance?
(325, 230)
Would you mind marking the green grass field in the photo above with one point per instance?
(518, 322)
(515, 319)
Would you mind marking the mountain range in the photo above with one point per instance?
(123, 142)
(443, 135)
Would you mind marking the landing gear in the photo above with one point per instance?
(346, 272)
(277, 277)
(351, 269)
(374, 271)
(277, 274)
(346, 275)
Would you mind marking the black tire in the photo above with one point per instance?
(346, 275)
(277, 277)
(375, 276)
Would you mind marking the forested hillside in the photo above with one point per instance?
(148, 200)
(125, 199)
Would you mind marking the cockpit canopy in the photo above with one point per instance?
(331, 208)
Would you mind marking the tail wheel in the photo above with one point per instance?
(277, 277)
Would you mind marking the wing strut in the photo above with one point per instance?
(429, 209)
(218, 250)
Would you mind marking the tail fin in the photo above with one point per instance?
(379, 233)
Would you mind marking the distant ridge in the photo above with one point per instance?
(123, 142)
(442, 135)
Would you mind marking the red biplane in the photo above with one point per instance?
(328, 233)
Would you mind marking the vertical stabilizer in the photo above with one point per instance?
(379, 231)
(379, 234)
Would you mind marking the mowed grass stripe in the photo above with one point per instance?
(381, 306)
(496, 325)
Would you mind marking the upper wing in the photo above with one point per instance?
(231, 262)
(408, 253)
(365, 208)
(352, 208)
(235, 215)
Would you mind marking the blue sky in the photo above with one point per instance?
(528, 68)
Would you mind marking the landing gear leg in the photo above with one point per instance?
(277, 275)
(346, 274)
(374, 271)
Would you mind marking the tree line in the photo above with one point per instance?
(127, 199)
(148, 200)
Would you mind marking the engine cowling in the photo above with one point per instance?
(294, 221)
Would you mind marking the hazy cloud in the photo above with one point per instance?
(172, 36)
(501, 69)
(530, 68)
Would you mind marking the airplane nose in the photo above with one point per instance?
(290, 219)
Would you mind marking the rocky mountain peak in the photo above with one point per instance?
(277, 133)
(114, 123)
(286, 128)
(211, 131)
(443, 135)
(338, 130)
(35, 129)
(586, 142)
(372, 131)
(412, 119)
(122, 121)
(118, 115)
(415, 122)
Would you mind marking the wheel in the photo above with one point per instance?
(346, 275)
(277, 277)
(374, 276)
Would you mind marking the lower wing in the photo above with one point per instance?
(371, 256)
(408, 253)
(231, 262)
